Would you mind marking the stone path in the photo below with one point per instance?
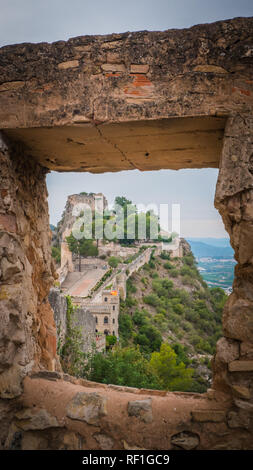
(81, 283)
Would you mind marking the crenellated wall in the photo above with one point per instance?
(233, 363)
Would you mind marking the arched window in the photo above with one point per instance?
(106, 332)
(96, 319)
(113, 307)
(113, 333)
(105, 319)
(105, 299)
(113, 320)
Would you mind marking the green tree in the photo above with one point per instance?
(113, 261)
(125, 326)
(172, 375)
(82, 248)
(56, 254)
(71, 352)
(149, 338)
(122, 366)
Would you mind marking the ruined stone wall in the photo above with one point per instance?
(98, 416)
(27, 272)
(82, 318)
(27, 336)
(58, 303)
(138, 75)
(114, 249)
(85, 321)
(233, 362)
(68, 219)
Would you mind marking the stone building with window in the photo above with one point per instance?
(106, 313)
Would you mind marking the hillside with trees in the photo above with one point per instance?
(169, 322)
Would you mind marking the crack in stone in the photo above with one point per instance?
(117, 148)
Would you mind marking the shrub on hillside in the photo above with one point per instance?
(173, 375)
(113, 261)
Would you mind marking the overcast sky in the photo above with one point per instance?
(53, 20)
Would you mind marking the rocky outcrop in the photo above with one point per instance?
(94, 201)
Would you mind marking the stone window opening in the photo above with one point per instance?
(227, 405)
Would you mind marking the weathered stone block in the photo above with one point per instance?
(202, 416)
(113, 57)
(141, 409)
(241, 391)
(227, 350)
(36, 419)
(131, 447)
(47, 375)
(70, 64)
(244, 405)
(240, 419)
(88, 407)
(240, 366)
(246, 350)
(13, 85)
(139, 68)
(185, 440)
(206, 68)
(105, 441)
(113, 67)
(237, 318)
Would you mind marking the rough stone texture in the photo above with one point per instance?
(27, 336)
(246, 350)
(105, 442)
(86, 323)
(141, 409)
(241, 391)
(111, 96)
(185, 440)
(73, 207)
(88, 407)
(239, 419)
(234, 200)
(240, 366)
(82, 318)
(215, 416)
(59, 305)
(83, 107)
(35, 419)
(172, 426)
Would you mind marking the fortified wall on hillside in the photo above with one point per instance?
(93, 200)
(148, 101)
(73, 208)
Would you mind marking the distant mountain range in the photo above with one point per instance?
(211, 247)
